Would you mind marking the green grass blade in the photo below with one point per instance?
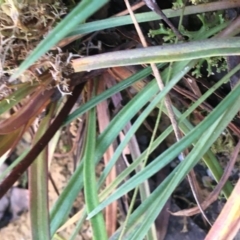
(176, 177)
(172, 152)
(90, 186)
(209, 159)
(109, 92)
(180, 172)
(64, 203)
(156, 54)
(185, 126)
(149, 16)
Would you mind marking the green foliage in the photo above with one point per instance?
(218, 64)
(199, 138)
(196, 2)
(208, 22)
(224, 144)
(178, 4)
(168, 34)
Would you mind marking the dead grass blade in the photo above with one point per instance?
(228, 222)
(38, 101)
(7, 141)
(43, 141)
(103, 121)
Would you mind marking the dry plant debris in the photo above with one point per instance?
(22, 26)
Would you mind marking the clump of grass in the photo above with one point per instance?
(33, 66)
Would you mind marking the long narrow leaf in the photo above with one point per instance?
(150, 16)
(64, 203)
(172, 152)
(109, 92)
(38, 185)
(90, 186)
(156, 54)
(180, 172)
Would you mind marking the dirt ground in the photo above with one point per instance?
(61, 170)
